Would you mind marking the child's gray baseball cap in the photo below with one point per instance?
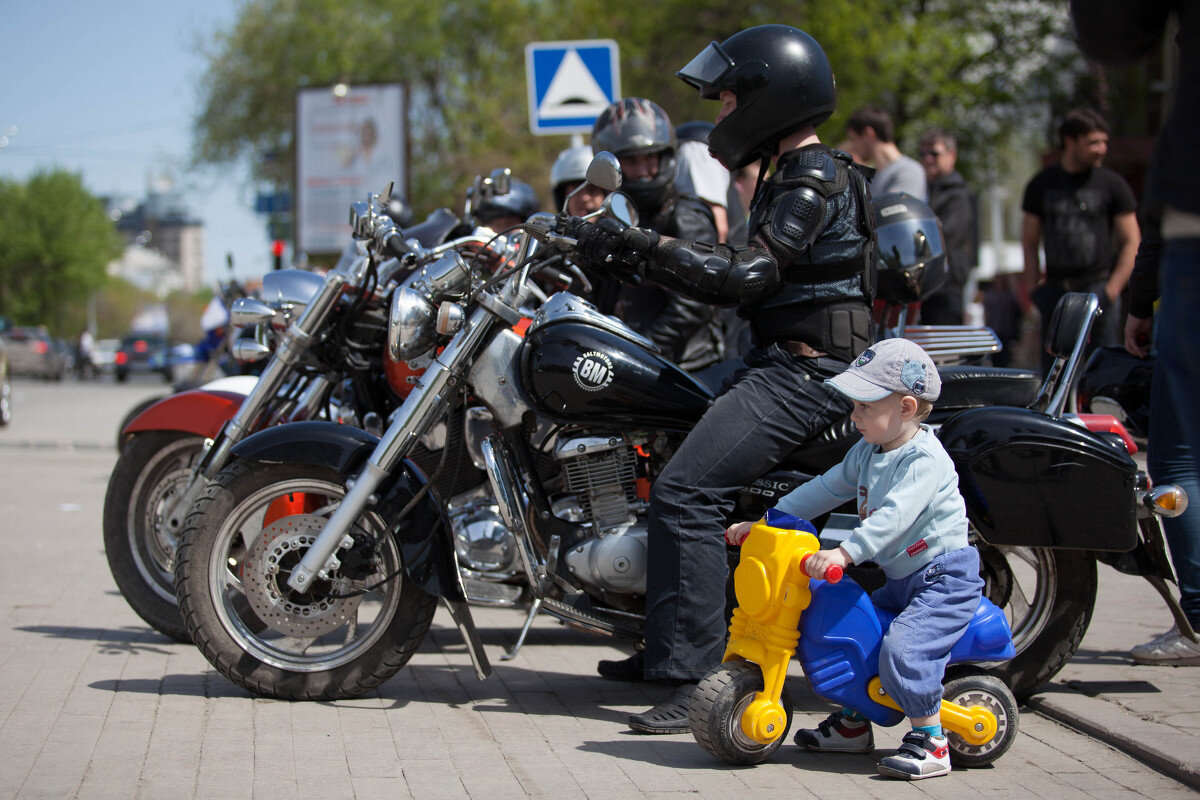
(890, 365)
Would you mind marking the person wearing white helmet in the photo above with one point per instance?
(568, 172)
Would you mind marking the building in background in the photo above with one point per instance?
(164, 242)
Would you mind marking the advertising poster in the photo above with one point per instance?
(349, 144)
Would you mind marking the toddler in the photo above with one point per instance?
(913, 524)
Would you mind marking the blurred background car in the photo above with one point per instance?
(105, 355)
(142, 353)
(33, 351)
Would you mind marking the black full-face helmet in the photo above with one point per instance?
(782, 80)
(520, 201)
(911, 252)
(635, 126)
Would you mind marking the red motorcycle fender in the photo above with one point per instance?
(197, 411)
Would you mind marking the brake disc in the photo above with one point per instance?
(265, 572)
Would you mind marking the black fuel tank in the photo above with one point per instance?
(1033, 480)
(577, 372)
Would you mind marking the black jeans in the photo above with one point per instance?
(776, 404)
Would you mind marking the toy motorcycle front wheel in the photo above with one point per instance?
(975, 688)
(717, 706)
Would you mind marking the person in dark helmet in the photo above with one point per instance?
(504, 211)
(803, 282)
(688, 330)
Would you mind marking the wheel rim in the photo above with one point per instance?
(309, 632)
(974, 696)
(737, 736)
(151, 542)
(1023, 582)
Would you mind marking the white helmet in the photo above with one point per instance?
(570, 167)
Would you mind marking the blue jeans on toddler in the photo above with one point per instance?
(933, 606)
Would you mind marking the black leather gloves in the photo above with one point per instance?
(612, 248)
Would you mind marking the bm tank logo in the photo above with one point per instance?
(593, 371)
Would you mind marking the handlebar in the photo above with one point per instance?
(833, 573)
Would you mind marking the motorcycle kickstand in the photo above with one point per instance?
(533, 612)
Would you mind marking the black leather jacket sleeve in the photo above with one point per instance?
(717, 274)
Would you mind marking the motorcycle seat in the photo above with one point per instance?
(968, 386)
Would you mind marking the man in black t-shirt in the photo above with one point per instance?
(1084, 214)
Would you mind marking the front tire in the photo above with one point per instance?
(344, 636)
(1048, 596)
(153, 469)
(718, 702)
(972, 688)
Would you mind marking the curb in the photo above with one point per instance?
(1154, 744)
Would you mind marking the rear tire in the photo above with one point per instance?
(977, 688)
(1048, 596)
(299, 646)
(718, 702)
(154, 467)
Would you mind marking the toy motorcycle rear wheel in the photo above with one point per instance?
(716, 713)
(976, 688)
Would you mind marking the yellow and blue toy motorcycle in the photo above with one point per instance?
(741, 711)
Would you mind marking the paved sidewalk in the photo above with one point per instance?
(93, 704)
(1153, 713)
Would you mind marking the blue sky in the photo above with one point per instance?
(109, 89)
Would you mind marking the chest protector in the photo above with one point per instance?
(814, 214)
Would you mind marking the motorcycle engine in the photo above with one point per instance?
(600, 476)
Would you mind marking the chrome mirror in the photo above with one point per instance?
(604, 171)
(621, 208)
(501, 180)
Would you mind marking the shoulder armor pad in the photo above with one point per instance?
(797, 218)
(812, 164)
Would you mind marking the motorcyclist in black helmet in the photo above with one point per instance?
(503, 211)
(803, 281)
(688, 330)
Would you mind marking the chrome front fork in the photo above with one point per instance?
(423, 407)
(292, 347)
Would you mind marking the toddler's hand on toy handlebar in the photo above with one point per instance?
(736, 533)
(826, 564)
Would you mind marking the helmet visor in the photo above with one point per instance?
(907, 243)
(706, 70)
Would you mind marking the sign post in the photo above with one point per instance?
(570, 83)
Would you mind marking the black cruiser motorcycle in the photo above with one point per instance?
(331, 596)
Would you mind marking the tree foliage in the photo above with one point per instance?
(55, 242)
(980, 68)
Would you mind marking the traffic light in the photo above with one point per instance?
(277, 252)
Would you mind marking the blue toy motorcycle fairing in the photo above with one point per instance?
(841, 633)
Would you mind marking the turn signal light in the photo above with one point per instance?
(1169, 500)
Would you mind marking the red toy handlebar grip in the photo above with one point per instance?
(833, 573)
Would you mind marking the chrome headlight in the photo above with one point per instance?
(410, 324)
(289, 291)
(449, 274)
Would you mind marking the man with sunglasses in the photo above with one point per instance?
(804, 283)
(951, 199)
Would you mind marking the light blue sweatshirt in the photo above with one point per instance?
(908, 503)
